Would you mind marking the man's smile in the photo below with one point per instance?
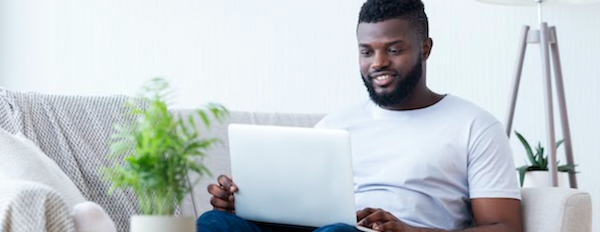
(382, 79)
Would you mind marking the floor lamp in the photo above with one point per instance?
(547, 39)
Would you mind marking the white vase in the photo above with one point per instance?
(538, 179)
(148, 223)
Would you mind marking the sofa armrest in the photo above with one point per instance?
(31, 206)
(556, 210)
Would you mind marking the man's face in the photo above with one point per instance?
(390, 60)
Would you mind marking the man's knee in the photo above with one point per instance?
(214, 216)
(221, 221)
(339, 227)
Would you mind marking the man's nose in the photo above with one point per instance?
(380, 61)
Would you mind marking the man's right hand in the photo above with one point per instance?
(222, 194)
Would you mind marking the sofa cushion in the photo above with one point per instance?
(91, 217)
(22, 159)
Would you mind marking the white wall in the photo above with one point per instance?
(247, 55)
(295, 56)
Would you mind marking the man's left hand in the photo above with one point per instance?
(380, 220)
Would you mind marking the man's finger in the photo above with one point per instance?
(363, 213)
(218, 191)
(225, 181)
(233, 187)
(221, 205)
(387, 226)
(377, 215)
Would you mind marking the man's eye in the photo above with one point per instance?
(365, 53)
(394, 51)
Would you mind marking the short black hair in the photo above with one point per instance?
(374, 11)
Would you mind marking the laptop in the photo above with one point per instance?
(292, 176)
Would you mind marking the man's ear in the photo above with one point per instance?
(426, 48)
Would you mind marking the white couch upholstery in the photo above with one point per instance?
(74, 131)
(556, 210)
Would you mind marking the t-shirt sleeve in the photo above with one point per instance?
(491, 169)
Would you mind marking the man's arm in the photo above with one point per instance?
(491, 215)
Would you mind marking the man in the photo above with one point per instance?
(422, 161)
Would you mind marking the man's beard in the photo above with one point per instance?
(400, 92)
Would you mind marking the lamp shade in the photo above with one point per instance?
(533, 2)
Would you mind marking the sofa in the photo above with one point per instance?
(74, 132)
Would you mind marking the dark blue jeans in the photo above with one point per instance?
(217, 221)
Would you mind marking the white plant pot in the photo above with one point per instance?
(537, 179)
(147, 223)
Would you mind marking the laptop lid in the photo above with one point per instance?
(291, 175)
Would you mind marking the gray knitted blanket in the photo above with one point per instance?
(74, 132)
(28, 206)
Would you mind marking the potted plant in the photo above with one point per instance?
(155, 154)
(537, 171)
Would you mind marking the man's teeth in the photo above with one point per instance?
(382, 77)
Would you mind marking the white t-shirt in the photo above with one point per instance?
(425, 165)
